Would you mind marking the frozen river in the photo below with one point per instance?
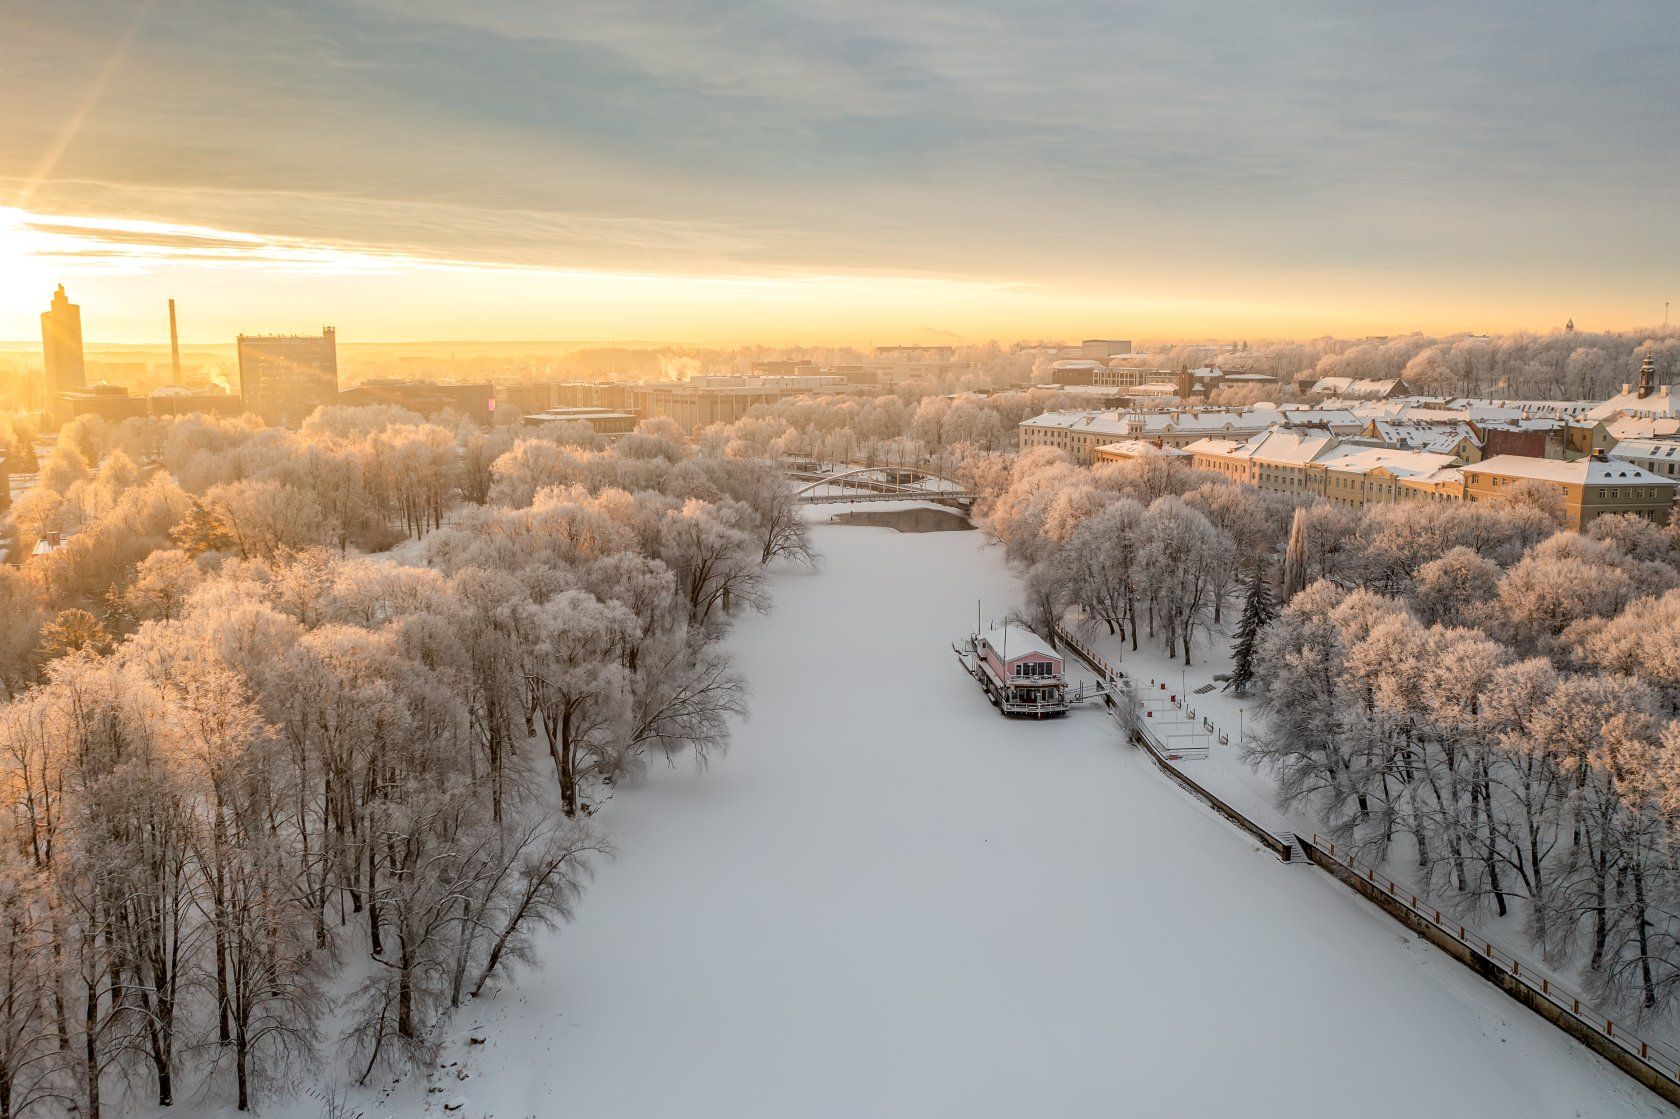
(889, 901)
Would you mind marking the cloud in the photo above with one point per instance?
(1063, 141)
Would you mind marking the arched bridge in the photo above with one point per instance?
(883, 483)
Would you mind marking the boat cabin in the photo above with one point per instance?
(1023, 673)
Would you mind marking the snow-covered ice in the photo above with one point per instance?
(887, 900)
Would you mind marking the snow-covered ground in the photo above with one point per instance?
(887, 900)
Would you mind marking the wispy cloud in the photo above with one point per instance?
(1072, 141)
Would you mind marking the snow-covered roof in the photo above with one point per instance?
(1659, 405)
(1211, 446)
(1286, 447)
(1641, 427)
(1667, 450)
(1015, 642)
(1408, 435)
(1140, 448)
(1400, 463)
(1581, 471)
(1356, 387)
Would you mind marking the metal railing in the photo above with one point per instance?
(1657, 1056)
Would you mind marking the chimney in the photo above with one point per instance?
(174, 348)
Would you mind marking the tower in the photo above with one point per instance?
(174, 348)
(61, 348)
(1647, 377)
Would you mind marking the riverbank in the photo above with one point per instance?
(888, 900)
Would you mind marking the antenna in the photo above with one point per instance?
(174, 348)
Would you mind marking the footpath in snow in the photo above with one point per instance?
(887, 900)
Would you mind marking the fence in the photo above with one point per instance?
(1124, 706)
(1653, 1064)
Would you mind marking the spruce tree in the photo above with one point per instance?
(202, 530)
(1257, 612)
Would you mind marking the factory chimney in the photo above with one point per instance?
(174, 348)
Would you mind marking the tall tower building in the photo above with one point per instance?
(285, 377)
(61, 348)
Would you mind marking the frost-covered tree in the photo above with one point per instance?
(1258, 613)
(1295, 557)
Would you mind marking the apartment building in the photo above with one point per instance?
(1588, 488)
(1658, 456)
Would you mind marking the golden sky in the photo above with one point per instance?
(913, 170)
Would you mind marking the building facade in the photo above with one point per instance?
(61, 352)
(1587, 488)
(285, 377)
(476, 401)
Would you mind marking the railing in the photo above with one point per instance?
(1656, 1056)
(1654, 1064)
(1125, 709)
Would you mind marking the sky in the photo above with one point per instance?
(874, 171)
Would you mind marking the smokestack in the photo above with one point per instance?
(174, 348)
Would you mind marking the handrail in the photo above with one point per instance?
(1144, 736)
(1657, 1056)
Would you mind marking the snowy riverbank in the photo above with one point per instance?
(889, 901)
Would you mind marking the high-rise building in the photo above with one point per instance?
(285, 377)
(61, 348)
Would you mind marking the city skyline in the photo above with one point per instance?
(915, 172)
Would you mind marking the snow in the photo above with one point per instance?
(889, 901)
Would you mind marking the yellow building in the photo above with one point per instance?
(1588, 488)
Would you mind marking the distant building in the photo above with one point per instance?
(1101, 349)
(700, 401)
(518, 398)
(601, 421)
(285, 377)
(109, 402)
(61, 350)
(1588, 488)
(475, 401)
(178, 400)
(783, 367)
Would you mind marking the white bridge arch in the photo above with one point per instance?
(884, 483)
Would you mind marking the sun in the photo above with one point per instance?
(23, 273)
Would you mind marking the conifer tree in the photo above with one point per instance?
(1258, 611)
(202, 530)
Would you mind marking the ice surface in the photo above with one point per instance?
(888, 900)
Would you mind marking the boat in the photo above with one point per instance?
(1019, 671)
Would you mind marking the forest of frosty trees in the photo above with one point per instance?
(275, 794)
(1466, 690)
(1485, 701)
